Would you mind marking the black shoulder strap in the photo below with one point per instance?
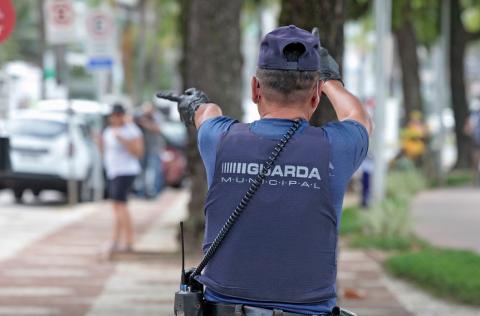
(246, 199)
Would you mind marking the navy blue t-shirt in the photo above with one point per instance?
(348, 147)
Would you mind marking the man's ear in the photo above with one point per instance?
(317, 93)
(255, 84)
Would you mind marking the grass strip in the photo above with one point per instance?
(446, 273)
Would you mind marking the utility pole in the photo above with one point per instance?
(444, 82)
(383, 12)
(41, 59)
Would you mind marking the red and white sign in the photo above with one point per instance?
(7, 19)
(60, 21)
(101, 38)
(100, 25)
(62, 13)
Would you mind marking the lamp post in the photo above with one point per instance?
(383, 12)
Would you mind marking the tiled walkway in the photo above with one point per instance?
(61, 273)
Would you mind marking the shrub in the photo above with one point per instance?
(350, 222)
(459, 178)
(388, 225)
(387, 219)
(391, 217)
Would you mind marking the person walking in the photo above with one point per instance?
(151, 182)
(122, 144)
(280, 258)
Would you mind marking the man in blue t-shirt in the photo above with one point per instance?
(281, 255)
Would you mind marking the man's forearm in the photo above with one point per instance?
(206, 111)
(346, 105)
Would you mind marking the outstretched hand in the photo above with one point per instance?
(187, 103)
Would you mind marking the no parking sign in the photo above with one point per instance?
(7, 19)
(60, 21)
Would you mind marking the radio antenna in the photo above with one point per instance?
(184, 277)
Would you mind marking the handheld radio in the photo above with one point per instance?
(189, 299)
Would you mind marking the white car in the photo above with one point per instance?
(44, 156)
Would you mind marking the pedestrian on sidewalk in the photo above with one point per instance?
(281, 255)
(151, 180)
(122, 144)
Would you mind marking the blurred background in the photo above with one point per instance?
(410, 241)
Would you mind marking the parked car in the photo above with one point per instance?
(44, 156)
(94, 114)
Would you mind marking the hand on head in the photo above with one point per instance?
(329, 69)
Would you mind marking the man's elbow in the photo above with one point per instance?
(363, 118)
(206, 111)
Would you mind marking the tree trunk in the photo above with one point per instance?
(458, 43)
(127, 47)
(406, 40)
(329, 17)
(211, 62)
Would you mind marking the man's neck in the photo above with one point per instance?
(285, 113)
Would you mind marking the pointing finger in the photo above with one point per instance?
(169, 96)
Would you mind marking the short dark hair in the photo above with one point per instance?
(287, 81)
(117, 109)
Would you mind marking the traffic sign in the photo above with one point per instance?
(101, 38)
(100, 25)
(7, 19)
(100, 63)
(60, 21)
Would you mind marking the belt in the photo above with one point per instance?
(217, 309)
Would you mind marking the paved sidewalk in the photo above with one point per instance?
(362, 273)
(449, 217)
(60, 274)
(22, 224)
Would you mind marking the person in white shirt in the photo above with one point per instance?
(122, 145)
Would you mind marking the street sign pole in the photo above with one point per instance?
(64, 79)
(60, 30)
(73, 192)
(7, 24)
(101, 49)
(383, 9)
